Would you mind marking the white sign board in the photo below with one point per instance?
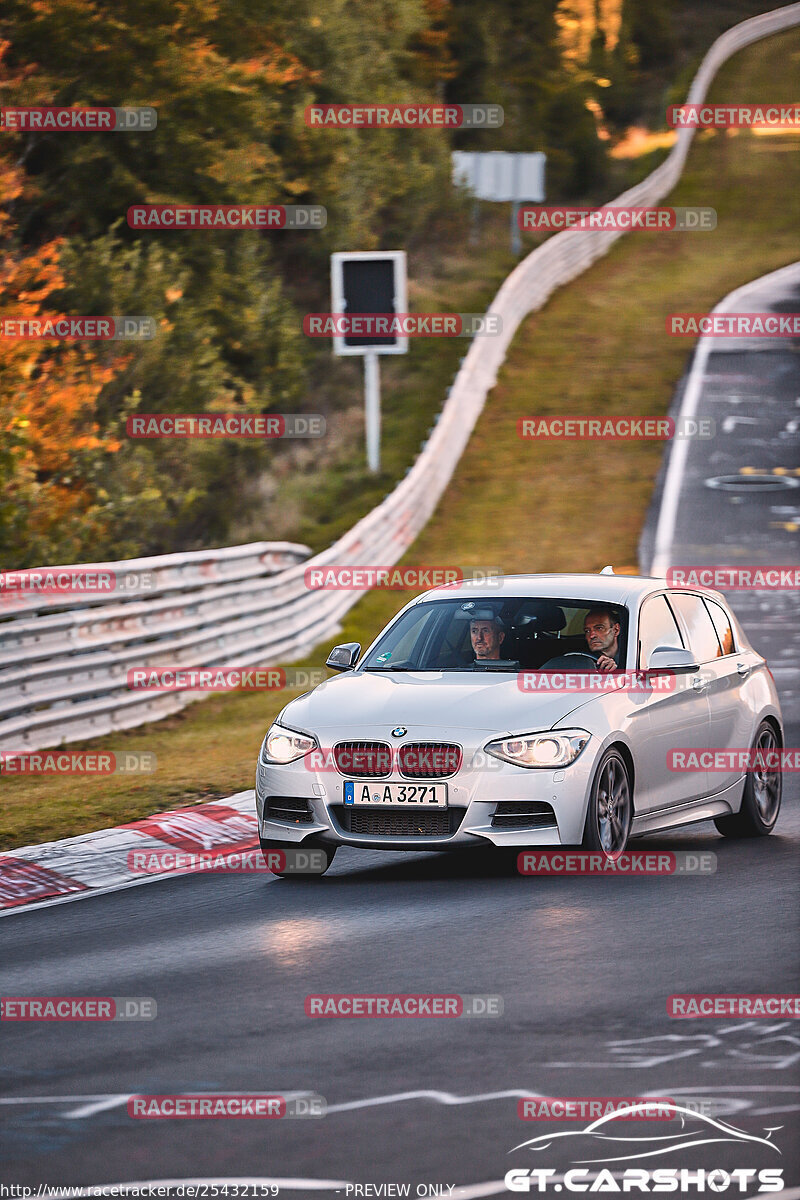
(499, 175)
(369, 281)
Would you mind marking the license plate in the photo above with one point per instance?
(401, 795)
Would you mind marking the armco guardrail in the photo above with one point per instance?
(63, 674)
(64, 656)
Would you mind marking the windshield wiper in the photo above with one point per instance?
(398, 668)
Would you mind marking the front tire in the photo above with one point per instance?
(761, 801)
(610, 810)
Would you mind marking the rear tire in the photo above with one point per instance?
(610, 811)
(761, 801)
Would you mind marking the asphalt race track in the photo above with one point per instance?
(584, 965)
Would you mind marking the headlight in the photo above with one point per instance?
(284, 745)
(546, 750)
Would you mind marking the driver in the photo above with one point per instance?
(601, 630)
(486, 636)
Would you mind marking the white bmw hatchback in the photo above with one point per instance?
(538, 710)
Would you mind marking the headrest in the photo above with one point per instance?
(539, 616)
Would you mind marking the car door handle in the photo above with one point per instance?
(743, 669)
(699, 683)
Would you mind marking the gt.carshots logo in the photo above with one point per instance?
(640, 1179)
(612, 1145)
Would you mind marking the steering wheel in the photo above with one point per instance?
(559, 663)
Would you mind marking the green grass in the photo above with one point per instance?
(598, 347)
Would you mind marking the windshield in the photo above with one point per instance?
(508, 633)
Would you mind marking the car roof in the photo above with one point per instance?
(611, 589)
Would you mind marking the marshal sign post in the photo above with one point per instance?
(370, 281)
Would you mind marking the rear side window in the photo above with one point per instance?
(722, 625)
(657, 627)
(703, 641)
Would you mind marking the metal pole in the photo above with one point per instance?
(372, 410)
(516, 243)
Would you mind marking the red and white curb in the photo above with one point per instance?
(76, 867)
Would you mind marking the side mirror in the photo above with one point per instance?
(344, 657)
(671, 658)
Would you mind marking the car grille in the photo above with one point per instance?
(288, 808)
(428, 760)
(382, 822)
(523, 814)
(367, 760)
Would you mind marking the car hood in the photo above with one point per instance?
(487, 701)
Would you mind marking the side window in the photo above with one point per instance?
(702, 635)
(657, 627)
(722, 626)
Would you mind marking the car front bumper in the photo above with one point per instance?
(474, 793)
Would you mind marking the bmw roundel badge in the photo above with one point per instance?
(399, 731)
